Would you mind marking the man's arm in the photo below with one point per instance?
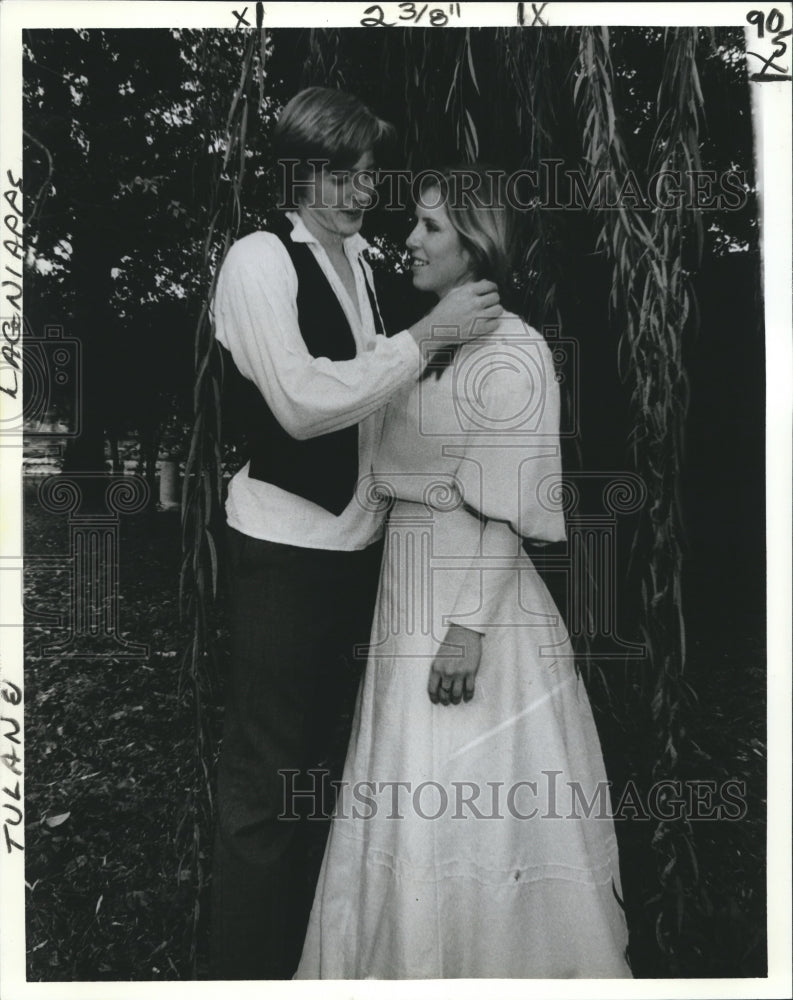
(255, 314)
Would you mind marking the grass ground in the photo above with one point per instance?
(108, 748)
(109, 757)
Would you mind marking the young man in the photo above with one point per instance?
(297, 312)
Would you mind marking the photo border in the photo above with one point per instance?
(772, 115)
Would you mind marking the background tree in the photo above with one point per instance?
(124, 132)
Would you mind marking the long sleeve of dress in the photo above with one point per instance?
(510, 466)
(256, 318)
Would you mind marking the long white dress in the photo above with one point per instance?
(472, 840)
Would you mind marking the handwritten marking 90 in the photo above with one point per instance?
(773, 23)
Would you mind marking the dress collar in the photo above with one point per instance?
(300, 234)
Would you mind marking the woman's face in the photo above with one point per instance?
(439, 260)
(337, 200)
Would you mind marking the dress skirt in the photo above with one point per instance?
(471, 840)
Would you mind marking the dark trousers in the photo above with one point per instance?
(295, 616)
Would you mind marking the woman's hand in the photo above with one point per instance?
(452, 677)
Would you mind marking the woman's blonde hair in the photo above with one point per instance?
(478, 209)
(474, 198)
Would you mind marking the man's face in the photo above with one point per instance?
(334, 208)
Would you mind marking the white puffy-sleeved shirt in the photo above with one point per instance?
(255, 314)
(482, 440)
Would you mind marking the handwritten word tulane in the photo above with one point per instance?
(11, 695)
(12, 286)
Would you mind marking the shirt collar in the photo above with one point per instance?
(301, 234)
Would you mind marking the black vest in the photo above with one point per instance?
(322, 469)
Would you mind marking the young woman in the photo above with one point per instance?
(472, 836)
(296, 310)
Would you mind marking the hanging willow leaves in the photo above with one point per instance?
(463, 85)
(651, 296)
(323, 68)
(202, 488)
